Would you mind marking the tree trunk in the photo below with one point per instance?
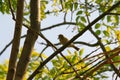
(30, 39)
(16, 41)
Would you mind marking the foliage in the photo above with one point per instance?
(4, 6)
(3, 70)
(59, 69)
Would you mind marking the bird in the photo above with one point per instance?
(63, 40)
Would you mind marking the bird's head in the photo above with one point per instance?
(60, 36)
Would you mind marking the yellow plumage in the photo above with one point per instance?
(63, 40)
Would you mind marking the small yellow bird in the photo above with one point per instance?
(63, 40)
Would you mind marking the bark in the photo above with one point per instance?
(16, 40)
(30, 39)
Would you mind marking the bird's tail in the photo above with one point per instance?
(76, 48)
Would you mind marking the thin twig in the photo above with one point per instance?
(59, 24)
(9, 45)
(113, 14)
(104, 61)
(11, 10)
(76, 42)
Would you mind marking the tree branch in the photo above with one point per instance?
(16, 39)
(30, 39)
(105, 61)
(59, 24)
(11, 10)
(76, 42)
(114, 14)
(9, 45)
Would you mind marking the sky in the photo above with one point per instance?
(6, 34)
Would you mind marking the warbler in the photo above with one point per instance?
(63, 40)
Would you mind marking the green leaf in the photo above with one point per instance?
(53, 71)
(73, 58)
(77, 19)
(116, 59)
(97, 26)
(79, 12)
(106, 33)
(116, 20)
(81, 52)
(75, 6)
(108, 18)
(98, 1)
(43, 1)
(0, 2)
(104, 76)
(81, 26)
(69, 52)
(46, 78)
(71, 6)
(98, 32)
(83, 19)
